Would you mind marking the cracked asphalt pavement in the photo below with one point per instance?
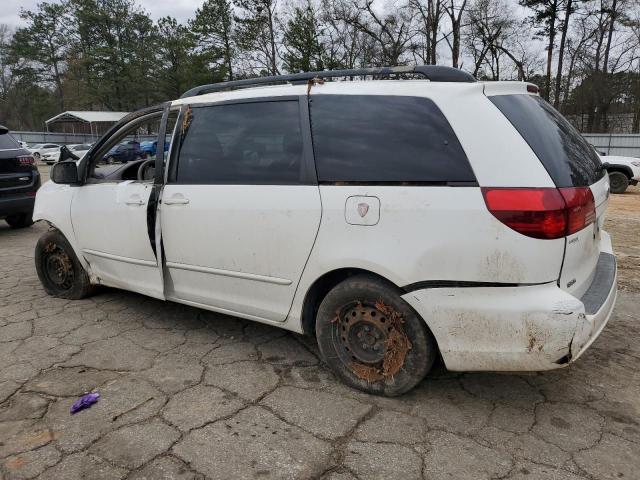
(190, 394)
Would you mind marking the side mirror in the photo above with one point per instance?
(65, 173)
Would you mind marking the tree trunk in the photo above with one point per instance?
(552, 38)
(272, 40)
(227, 54)
(563, 39)
(455, 49)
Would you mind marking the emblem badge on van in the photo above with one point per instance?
(363, 208)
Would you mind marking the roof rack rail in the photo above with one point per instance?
(435, 73)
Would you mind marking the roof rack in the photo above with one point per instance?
(435, 73)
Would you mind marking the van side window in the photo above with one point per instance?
(242, 144)
(385, 139)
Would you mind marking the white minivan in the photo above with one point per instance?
(397, 219)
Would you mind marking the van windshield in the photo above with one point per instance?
(569, 159)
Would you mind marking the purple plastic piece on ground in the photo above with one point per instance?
(84, 401)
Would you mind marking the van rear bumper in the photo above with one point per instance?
(598, 301)
(525, 328)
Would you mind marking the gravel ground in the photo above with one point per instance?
(189, 394)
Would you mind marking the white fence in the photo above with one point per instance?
(64, 138)
(624, 145)
(59, 138)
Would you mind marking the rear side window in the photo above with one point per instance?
(385, 139)
(567, 156)
(7, 142)
(243, 144)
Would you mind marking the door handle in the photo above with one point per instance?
(177, 199)
(134, 200)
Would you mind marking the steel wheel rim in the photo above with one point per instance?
(58, 268)
(360, 332)
(615, 182)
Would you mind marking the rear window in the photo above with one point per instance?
(7, 142)
(567, 156)
(385, 139)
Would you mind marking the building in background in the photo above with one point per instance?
(86, 122)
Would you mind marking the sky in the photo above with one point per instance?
(180, 9)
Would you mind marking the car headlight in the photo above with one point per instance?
(637, 164)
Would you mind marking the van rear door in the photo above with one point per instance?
(575, 168)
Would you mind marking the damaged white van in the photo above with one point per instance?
(398, 219)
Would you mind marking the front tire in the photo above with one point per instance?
(372, 339)
(59, 270)
(618, 182)
(20, 220)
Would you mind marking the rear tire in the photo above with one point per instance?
(372, 339)
(618, 182)
(59, 270)
(20, 220)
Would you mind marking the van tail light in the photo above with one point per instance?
(26, 160)
(545, 213)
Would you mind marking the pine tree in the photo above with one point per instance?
(304, 51)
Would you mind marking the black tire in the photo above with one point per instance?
(618, 182)
(59, 270)
(110, 160)
(372, 339)
(20, 220)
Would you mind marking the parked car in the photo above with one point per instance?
(47, 152)
(123, 152)
(397, 220)
(623, 171)
(80, 149)
(19, 181)
(148, 148)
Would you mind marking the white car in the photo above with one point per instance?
(398, 220)
(623, 171)
(80, 149)
(46, 152)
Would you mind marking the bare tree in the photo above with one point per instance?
(430, 14)
(455, 11)
(390, 32)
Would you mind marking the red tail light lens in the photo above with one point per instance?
(26, 160)
(545, 213)
(581, 208)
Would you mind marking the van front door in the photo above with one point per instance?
(110, 218)
(241, 209)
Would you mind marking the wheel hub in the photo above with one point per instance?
(363, 331)
(59, 269)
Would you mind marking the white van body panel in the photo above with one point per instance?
(239, 248)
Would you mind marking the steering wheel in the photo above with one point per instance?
(144, 169)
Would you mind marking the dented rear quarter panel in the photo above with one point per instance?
(500, 329)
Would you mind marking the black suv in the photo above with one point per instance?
(19, 181)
